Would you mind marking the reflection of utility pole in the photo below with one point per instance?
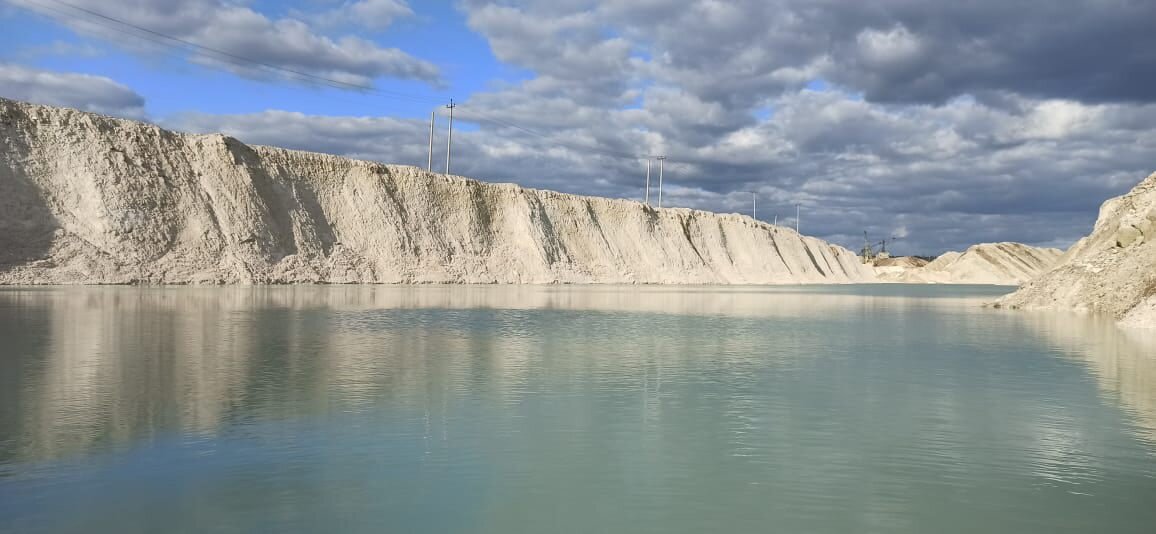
(432, 117)
(647, 181)
(450, 139)
(660, 159)
(796, 218)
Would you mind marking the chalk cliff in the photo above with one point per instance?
(88, 199)
(1112, 271)
(989, 263)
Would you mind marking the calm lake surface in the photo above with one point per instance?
(883, 408)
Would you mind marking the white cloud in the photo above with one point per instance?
(377, 14)
(894, 47)
(285, 42)
(1057, 119)
(369, 14)
(82, 91)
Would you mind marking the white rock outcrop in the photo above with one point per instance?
(1009, 264)
(87, 199)
(1112, 271)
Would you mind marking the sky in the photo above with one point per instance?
(943, 124)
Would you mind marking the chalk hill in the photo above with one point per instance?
(87, 199)
(1112, 271)
(988, 263)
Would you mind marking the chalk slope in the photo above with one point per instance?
(989, 263)
(87, 199)
(1112, 271)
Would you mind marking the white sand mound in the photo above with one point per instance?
(904, 262)
(989, 263)
(87, 199)
(1112, 271)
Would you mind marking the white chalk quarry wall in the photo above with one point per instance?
(91, 199)
(1112, 271)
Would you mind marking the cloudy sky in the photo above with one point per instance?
(945, 123)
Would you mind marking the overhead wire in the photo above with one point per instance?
(113, 23)
(173, 42)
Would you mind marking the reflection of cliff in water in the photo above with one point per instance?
(740, 301)
(118, 365)
(1123, 361)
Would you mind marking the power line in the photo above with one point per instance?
(120, 26)
(176, 42)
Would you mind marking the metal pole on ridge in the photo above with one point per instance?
(432, 117)
(754, 205)
(660, 159)
(647, 181)
(796, 218)
(450, 139)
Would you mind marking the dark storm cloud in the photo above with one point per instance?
(901, 50)
(1092, 50)
(742, 51)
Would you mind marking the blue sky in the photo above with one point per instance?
(949, 123)
(173, 85)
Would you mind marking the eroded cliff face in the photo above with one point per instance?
(87, 199)
(989, 263)
(1112, 271)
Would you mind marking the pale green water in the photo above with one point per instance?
(568, 409)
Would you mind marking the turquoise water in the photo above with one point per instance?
(882, 408)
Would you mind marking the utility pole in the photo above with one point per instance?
(450, 138)
(660, 159)
(754, 205)
(432, 117)
(796, 218)
(647, 181)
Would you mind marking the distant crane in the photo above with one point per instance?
(883, 245)
(869, 253)
(868, 250)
